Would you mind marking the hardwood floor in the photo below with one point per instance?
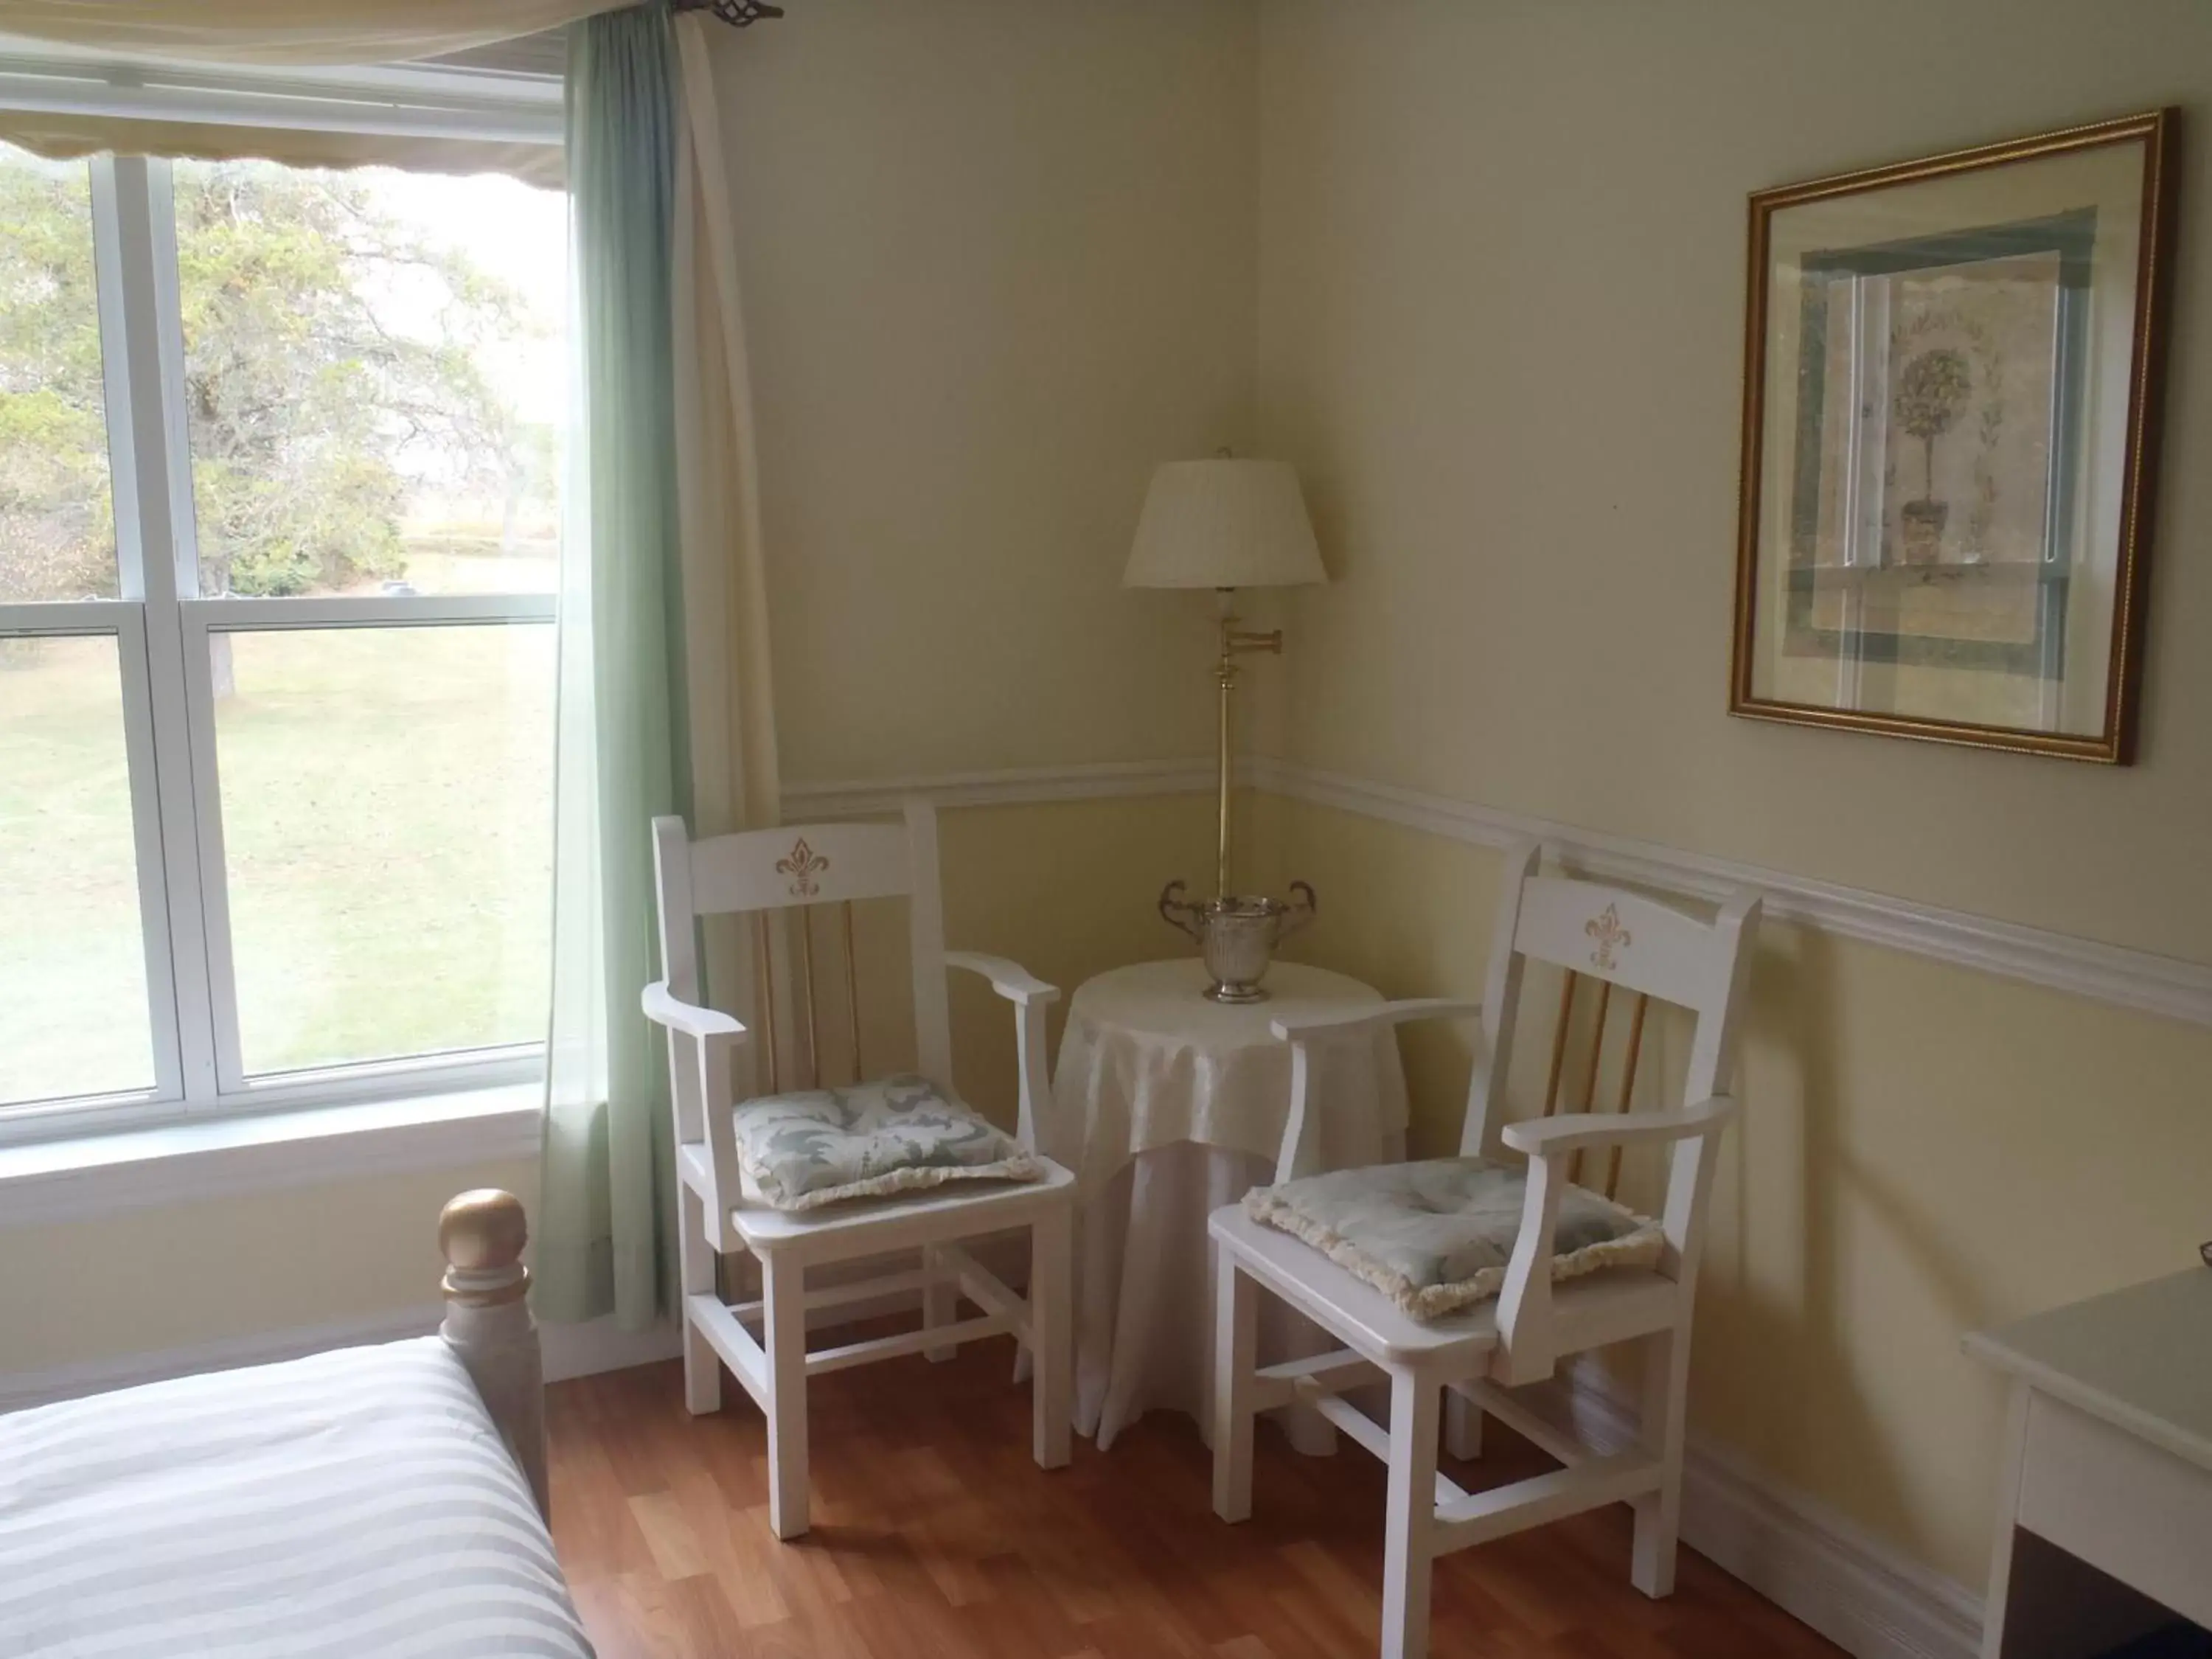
(934, 1534)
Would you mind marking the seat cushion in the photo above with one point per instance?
(799, 1151)
(1435, 1236)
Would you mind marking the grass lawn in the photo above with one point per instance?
(387, 806)
(72, 963)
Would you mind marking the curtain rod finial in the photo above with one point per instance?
(738, 13)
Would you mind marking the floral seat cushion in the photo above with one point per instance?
(799, 1151)
(1436, 1237)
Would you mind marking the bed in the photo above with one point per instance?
(383, 1501)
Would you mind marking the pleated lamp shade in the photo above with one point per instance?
(1225, 523)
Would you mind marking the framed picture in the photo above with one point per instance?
(1949, 427)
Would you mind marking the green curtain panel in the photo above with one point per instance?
(605, 1232)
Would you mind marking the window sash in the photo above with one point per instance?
(163, 631)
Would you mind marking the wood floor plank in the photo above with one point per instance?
(668, 1536)
(936, 1537)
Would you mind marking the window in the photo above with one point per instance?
(279, 461)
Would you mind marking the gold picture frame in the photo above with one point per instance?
(1987, 326)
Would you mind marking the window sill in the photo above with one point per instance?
(94, 1175)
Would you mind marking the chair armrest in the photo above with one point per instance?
(663, 1007)
(1300, 1152)
(1029, 995)
(1545, 1137)
(1292, 1028)
(1524, 1301)
(702, 1094)
(1009, 979)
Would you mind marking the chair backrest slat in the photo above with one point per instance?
(806, 988)
(1563, 1024)
(764, 988)
(1627, 1087)
(925, 934)
(1597, 1043)
(852, 990)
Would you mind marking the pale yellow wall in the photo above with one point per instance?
(1925, 1150)
(188, 1274)
(1500, 333)
(1501, 311)
(998, 261)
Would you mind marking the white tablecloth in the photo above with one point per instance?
(1168, 1106)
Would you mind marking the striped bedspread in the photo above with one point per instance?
(355, 1503)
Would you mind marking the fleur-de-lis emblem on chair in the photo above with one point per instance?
(802, 864)
(1605, 928)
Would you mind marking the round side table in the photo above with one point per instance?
(1167, 1106)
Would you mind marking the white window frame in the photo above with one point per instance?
(162, 628)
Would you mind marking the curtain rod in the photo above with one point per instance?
(738, 13)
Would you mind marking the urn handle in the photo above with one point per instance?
(1181, 913)
(1297, 914)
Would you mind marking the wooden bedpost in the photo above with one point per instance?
(488, 1323)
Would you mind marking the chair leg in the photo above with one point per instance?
(1409, 1562)
(784, 1326)
(1659, 1514)
(940, 1304)
(1052, 1335)
(1462, 1427)
(1235, 1348)
(702, 1366)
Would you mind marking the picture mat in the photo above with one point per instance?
(2061, 686)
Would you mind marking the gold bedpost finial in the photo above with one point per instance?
(482, 1233)
(488, 1323)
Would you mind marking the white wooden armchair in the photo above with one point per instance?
(802, 867)
(1473, 1358)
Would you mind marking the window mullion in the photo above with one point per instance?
(139, 700)
(138, 231)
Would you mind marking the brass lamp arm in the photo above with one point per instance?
(1234, 640)
(1235, 643)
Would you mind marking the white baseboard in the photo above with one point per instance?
(227, 1354)
(570, 1351)
(601, 1345)
(1859, 1592)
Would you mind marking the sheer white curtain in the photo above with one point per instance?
(665, 691)
(733, 759)
(288, 31)
(734, 776)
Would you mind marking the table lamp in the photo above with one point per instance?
(1225, 524)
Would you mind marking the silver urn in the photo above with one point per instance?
(1237, 937)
